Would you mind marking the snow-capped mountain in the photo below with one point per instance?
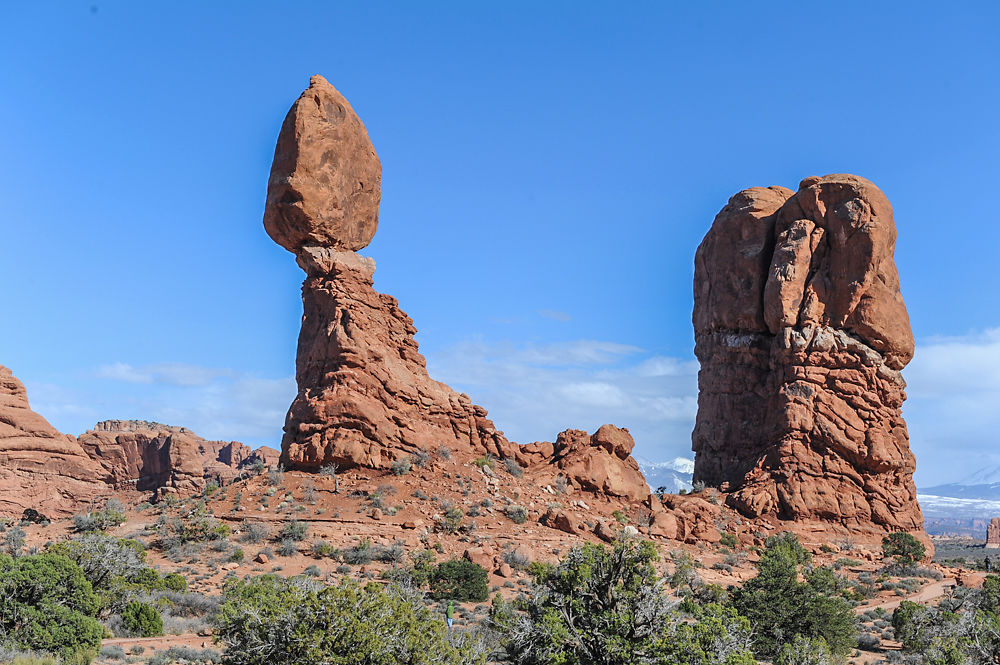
(673, 475)
(983, 484)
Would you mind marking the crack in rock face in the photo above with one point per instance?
(801, 331)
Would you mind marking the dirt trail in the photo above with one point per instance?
(159, 643)
(925, 594)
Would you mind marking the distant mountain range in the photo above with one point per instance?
(963, 507)
(674, 475)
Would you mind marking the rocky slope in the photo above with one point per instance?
(39, 467)
(802, 332)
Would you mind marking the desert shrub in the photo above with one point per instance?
(287, 547)
(517, 514)
(513, 468)
(359, 554)
(197, 527)
(237, 554)
(728, 540)
(444, 453)
(322, 549)
(486, 461)
(174, 582)
(13, 541)
(309, 493)
(903, 547)
(275, 621)
(450, 521)
(276, 476)
(48, 605)
(142, 619)
(294, 530)
(608, 606)
(804, 651)
(253, 532)
(516, 559)
(401, 466)
(112, 515)
(112, 652)
(461, 580)
(421, 458)
(782, 607)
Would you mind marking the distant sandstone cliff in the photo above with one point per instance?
(39, 467)
(802, 332)
(58, 474)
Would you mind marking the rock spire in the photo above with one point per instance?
(801, 332)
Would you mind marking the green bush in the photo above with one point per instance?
(401, 466)
(48, 605)
(461, 580)
(782, 607)
(275, 621)
(609, 606)
(142, 619)
(903, 547)
(174, 582)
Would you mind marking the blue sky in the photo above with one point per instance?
(549, 169)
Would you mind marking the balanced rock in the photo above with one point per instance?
(364, 397)
(326, 179)
(801, 332)
(993, 534)
(40, 469)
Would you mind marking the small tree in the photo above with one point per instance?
(904, 548)
(608, 607)
(782, 607)
(142, 619)
(461, 580)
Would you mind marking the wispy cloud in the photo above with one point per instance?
(534, 391)
(953, 410)
(555, 315)
(173, 374)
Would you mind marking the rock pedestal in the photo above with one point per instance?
(364, 396)
(802, 332)
(993, 534)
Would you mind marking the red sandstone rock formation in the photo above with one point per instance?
(365, 398)
(993, 534)
(326, 179)
(148, 456)
(39, 467)
(801, 332)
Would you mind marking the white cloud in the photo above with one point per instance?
(555, 315)
(534, 391)
(123, 372)
(173, 374)
(953, 406)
